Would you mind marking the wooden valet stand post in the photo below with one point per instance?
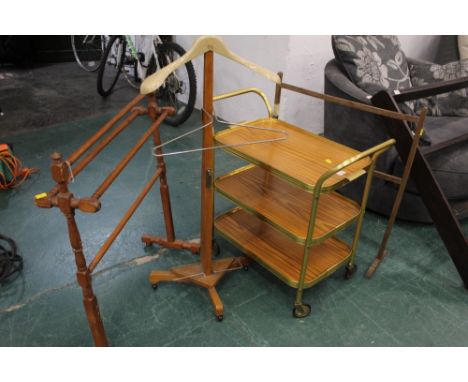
(207, 273)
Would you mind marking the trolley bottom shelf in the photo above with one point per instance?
(277, 252)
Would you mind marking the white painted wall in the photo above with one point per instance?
(302, 59)
(422, 47)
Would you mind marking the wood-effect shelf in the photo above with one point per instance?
(285, 206)
(277, 252)
(301, 158)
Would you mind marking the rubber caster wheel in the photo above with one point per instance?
(301, 311)
(350, 272)
(216, 248)
(154, 286)
(220, 317)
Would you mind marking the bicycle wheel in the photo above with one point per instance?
(111, 65)
(180, 88)
(88, 51)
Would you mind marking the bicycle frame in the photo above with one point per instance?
(153, 53)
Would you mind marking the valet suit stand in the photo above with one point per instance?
(208, 272)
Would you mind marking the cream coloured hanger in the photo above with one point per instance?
(202, 45)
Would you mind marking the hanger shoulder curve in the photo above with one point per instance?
(202, 45)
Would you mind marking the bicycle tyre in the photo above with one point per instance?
(167, 96)
(104, 88)
(88, 51)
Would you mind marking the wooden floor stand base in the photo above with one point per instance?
(193, 274)
(194, 247)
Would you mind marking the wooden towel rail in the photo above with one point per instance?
(60, 196)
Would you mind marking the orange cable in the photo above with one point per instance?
(16, 169)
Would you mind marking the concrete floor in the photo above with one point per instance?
(42, 96)
(415, 299)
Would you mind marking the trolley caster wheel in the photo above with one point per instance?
(301, 311)
(350, 271)
(216, 248)
(155, 286)
(220, 317)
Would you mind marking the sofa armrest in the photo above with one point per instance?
(334, 74)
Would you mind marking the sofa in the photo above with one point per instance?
(361, 130)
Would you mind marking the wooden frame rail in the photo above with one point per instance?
(430, 89)
(91, 141)
(437, 204)
(105, 247)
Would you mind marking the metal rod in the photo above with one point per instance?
(351, 104)
(257, 91)
(365, 196)
(375, 152)
(80, 166)
(308, 244)
(123, 163)
(105, 247)
(276, 106)
(91, 141)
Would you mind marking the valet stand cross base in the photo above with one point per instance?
(194, 274)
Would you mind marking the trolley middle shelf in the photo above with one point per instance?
(285, 206)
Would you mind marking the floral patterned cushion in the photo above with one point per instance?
(373, 63)
(447, 104)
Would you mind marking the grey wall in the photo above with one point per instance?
(302, 60)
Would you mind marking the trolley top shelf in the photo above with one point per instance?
(301, 159)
